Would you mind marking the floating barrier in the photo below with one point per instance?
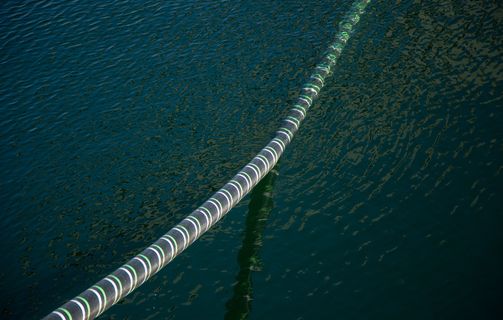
(111, 289)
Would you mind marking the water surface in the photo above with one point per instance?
(118, 118)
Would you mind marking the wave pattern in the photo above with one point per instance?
(118, 117)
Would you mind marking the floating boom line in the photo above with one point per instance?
(111, 289)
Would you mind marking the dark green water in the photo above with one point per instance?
(118, 118)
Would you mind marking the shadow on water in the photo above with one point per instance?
(261, 204)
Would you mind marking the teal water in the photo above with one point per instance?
(118, 118)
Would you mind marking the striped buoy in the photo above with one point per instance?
(111, 289)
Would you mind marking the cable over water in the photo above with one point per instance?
(111, 289)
